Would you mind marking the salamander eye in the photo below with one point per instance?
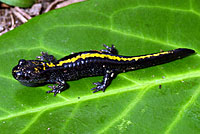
(22, 62)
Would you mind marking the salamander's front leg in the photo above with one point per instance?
(110, 50)
(62, 85)
(47, 57)
(105, 83)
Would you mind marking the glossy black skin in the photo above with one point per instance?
(32, 72)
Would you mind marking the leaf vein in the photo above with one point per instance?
(126, 110)
(147, 6)
(123, 33)
(182, 110)
(32, 121)
(71, 116)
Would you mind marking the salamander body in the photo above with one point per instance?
(105, 63)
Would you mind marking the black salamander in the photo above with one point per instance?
(105, 63)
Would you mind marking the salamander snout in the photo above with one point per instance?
(17, 71)
(22, 71)
(16, 74)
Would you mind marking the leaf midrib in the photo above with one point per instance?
(107, 93)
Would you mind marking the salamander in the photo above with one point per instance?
(106, 62)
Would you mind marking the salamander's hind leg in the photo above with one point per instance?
(62, 85)
(110, 50)
(107, 79)
(47, 57)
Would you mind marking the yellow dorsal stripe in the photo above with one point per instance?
(89, 55)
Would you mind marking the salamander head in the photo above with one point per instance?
(28, 72)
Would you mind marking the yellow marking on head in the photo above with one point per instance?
(36, 70)
(36, 63)
(44, 68)
(99, 55)
(50, 64)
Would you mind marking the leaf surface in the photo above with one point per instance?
(133, 103)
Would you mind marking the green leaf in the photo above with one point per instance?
(19, 3)
(133, 103)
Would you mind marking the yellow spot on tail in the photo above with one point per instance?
(89, 55)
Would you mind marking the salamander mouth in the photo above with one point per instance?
(15, 72)
(29, 84)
